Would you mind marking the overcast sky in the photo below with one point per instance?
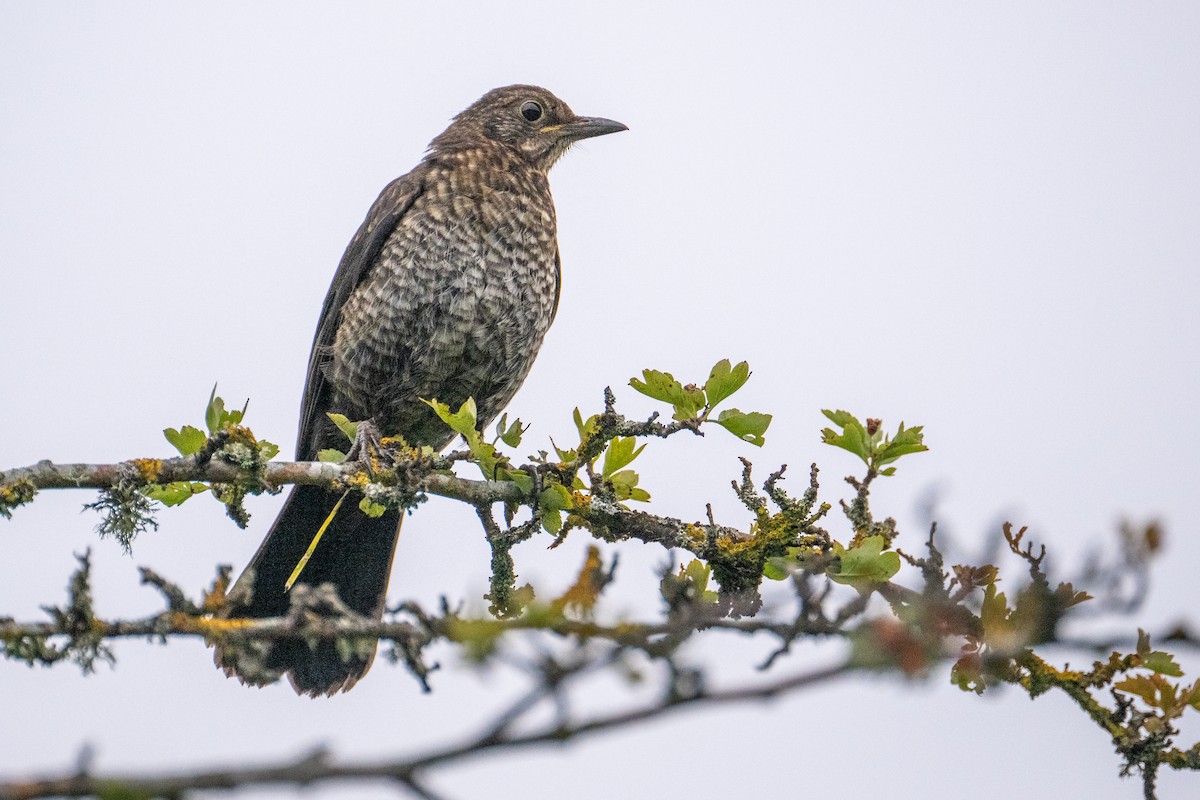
(983, 221)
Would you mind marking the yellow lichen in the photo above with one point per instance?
(359, 480)
(214, 598)
(206, 626)
(149, 469)
(15, 493)
(237, 433)
(738, 562)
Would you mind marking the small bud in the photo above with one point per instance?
(1153, 536)
(873, 426)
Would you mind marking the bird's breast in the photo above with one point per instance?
(456, 305)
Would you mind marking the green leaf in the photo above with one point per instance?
(841, 418)
(748, 426)
(624, 485)
(585, 429)
(173, 494)
(462, 421)
(779, 568)
(371, 508)
(554, 500)
(620, 453)
(903, 443)
(215, 415)
(724, 381)
(235, 417)
(865, 564)
(510, 435)
(214, 411)
(872, 447)
(268, 450)
(1156, 660)
(563, 455)
(522, 479)
(186, 440)
(687, 400)
(1162, 663)
(331, 456)
(994, 613)
(349, 429)
(776, 569)
(853, 438)
(696, 573)
(486, 457)
(625, 477)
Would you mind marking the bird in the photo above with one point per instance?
(445, 292)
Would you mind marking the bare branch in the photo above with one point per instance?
(317, 766)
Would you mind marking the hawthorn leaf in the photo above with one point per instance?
(748, 426)
(866, 563)
(349, 429)
(724, 380)
(186, 440)
(853, 438)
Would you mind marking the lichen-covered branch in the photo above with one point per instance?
(148, 471)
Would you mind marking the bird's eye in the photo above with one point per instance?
(532, 111)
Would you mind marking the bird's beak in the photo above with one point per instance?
(587, 127)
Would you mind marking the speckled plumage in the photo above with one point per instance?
(446, 291)
(417, 328)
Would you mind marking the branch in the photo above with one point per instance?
(317, 766)
(48, 475)
(628, 634)
(607, 518)
(85, 634)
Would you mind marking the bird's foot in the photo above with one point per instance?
(368, 446)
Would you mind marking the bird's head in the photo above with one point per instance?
(528, 119)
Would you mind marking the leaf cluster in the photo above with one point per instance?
(869, 442)
(692, 402)
(227, 440)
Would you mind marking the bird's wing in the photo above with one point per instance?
(385, 214)
(557, 282)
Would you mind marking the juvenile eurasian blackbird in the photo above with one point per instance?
(446, 292)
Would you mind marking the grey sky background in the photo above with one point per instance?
(980, 219)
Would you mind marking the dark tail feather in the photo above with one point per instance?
(355, 555)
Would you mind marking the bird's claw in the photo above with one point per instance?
(368, 445)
